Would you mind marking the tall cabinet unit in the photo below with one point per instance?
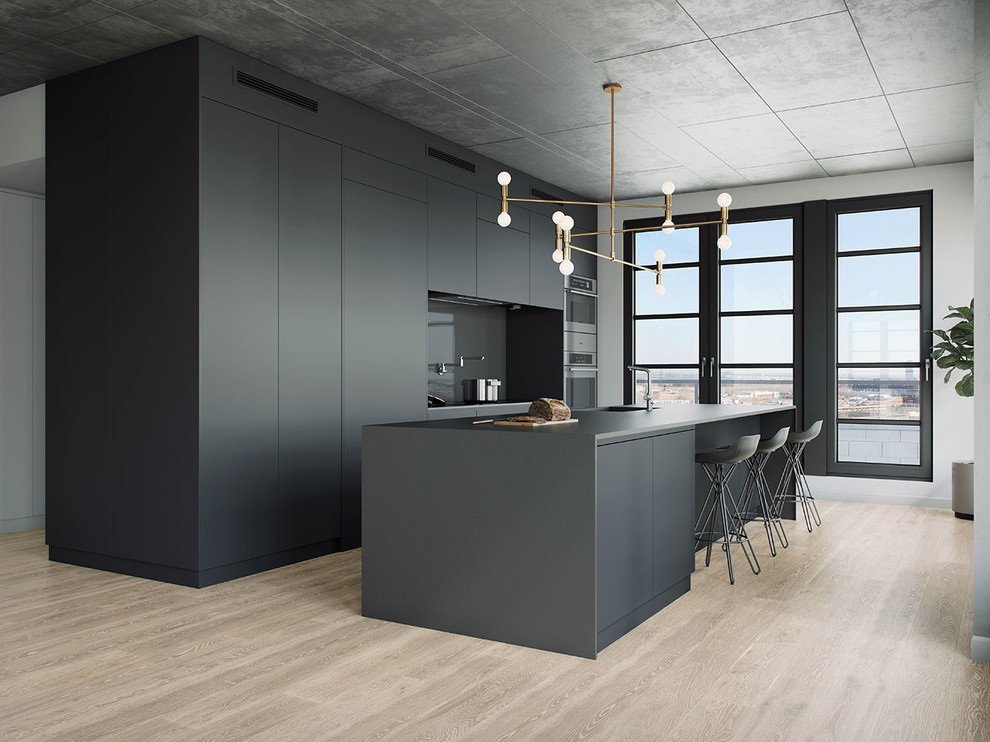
(194, 329)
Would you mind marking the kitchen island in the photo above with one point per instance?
(558, 537)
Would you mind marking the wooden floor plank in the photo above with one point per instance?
(859, 630)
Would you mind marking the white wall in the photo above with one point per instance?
(952, 187)
(981, 196)
(22, 362)
(22, 146)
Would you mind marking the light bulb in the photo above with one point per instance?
(667, 188)
(558, 255)
(724, 242)
(557, 217)
(667, 227)
(504, 220)
(659, 289)
(566, 267)
(504, 178)
(723, 200)
(567, 223)
(659, 255)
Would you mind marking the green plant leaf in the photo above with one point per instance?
(964, 387)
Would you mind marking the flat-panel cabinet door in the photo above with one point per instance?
(309, 192)
(503, 263)
(673, 508)
(625, 528)
(546, 283)
(453, 239)
(238, 336)
(384, 341)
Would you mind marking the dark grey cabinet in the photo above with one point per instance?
(625, 528)
(384, 325)
(546, 283)
(239, 296)
(645, 515)
(309, 255)
(453, 239)
(503, 263)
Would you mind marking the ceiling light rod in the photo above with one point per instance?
(564, 223)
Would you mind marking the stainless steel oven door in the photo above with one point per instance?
(580, 312)
(580, 387)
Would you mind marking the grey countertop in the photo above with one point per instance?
(606, 425)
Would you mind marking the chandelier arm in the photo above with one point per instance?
(644, 229)
(616, 260)
(545, 201)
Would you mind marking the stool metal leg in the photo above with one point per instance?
(793, 470)
(720, 509)
(756, 483)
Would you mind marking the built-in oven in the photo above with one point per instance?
(580, 370)
(580, 304)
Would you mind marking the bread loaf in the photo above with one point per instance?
(549, 409)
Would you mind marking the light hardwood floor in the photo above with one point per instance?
(858, 631)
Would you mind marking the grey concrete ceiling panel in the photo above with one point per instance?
(518, 33)
(936, 154)
(648, 182)
(691, 83)
(750, 142)
(805, 63)
(123, 4)
(865, 163)
(423, 108)
(917, 43)
(783, 172)
(256, 32)
(529, 157)
(44, 18)
(536, 103)
(605, 30)
(35, 63)
(936, 115)
(113, 37)
(417, 35)
(654, 128)
(12, 40)
(845, 128)
(721, 17)
(631, 152)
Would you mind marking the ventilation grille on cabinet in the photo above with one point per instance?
(544, 195)
(439, 154)
(276, 91)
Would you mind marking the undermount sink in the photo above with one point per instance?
(626, 408)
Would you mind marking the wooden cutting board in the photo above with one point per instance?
(536, 425)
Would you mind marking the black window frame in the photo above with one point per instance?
(834, 208)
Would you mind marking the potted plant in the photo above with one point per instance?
(955, 351)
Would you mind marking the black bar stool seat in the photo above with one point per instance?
(756, 484)
(793, 469)
(720, 521)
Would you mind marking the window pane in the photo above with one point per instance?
(670, 386)
(681, 296)
(752, 286)
(869, 280)
(757, 386)
(879, 337)
(760, 239)
(664, 341)
(878, 230)
(759, 339)
(681, 246)
(879, 444)
(879, 393)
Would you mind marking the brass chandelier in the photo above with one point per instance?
(564, 224)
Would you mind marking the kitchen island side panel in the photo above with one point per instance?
(481, 533)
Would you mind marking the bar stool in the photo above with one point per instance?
(722, 522)
(756, 483)
(793, 469)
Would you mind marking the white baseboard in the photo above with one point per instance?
(877, 492)
(980, 648)
(12, 525)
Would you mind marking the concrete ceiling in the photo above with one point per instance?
(717, 93)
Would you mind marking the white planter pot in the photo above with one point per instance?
(962, 489)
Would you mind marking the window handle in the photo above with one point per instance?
(702, 368)
(928, 368)
(711, 367)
